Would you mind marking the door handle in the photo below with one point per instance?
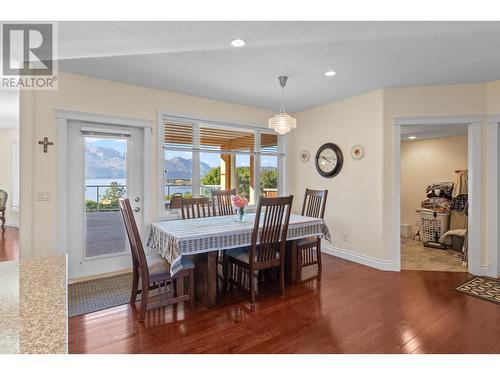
(137, 209)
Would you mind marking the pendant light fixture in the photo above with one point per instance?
(282, 123)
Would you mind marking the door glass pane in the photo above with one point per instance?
(178, 177)
(105, 182)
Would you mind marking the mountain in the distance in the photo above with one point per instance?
(108, 163)
(180, 168)
(104, 163)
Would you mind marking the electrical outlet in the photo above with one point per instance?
(43, 196)
(344, 237)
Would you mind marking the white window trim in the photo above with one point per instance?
(162, 213)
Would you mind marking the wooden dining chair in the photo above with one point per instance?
(267, 250)
(154, 271)
(309, 249)
(192, 208)
(175, 200)
(221, 202)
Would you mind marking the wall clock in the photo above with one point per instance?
(329, 160)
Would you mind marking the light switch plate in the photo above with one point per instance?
(43, 196)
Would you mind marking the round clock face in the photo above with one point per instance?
(329, 160)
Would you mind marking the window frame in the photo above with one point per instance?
(162, 213)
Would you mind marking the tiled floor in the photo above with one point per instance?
(414, 256)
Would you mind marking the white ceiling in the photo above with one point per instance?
(196, 57)
(432, 131)
(9, 109)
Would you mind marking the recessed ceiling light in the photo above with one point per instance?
(412, 137)
(330, 73)
(238, 43)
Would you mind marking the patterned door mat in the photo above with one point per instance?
(485, 288)
(94, 295)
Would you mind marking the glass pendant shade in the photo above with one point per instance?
(282, 123)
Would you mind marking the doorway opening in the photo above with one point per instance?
(437, 188)
(434, 198)
(9, 177)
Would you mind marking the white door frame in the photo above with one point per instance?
(492, 195)
(474, 165)
(62, 119)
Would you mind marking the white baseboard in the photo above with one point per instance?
(12, 225)
(384, 265)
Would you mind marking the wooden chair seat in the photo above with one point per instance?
(307, 242)
(243, 254)
(160, 268)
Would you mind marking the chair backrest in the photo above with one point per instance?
(268, 242)
(3, 199)
(221, 202)
(314, 203)
(175, 200)
(193, 208)
(136, 248)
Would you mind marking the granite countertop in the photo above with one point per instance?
(43, 313)
(9, 307)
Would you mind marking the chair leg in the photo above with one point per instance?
(282, 279)
(144, 301)
(135, 285)
(318, 252)
(251, 280)
(191, 289)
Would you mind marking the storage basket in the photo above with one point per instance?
(429, 224)
(406, 231)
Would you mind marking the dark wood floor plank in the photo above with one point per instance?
(9, 244)
(354, 309)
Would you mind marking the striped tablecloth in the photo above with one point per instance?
(174, 238)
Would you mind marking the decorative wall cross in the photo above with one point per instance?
(45, 144)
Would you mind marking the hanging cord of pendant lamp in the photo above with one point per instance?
(282, 123)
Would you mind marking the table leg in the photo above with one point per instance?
(205, 278)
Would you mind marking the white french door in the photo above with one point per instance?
(105, 162)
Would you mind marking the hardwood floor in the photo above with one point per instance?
(354, 309)
(9, 244)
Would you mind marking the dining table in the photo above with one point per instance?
(201, 239)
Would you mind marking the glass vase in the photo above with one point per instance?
(240, 214)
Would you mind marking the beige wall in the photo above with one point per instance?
(493, 98)
(85, 94)
(7, 137)
(354, 204)
(424, 162)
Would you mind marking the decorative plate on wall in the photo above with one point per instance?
(304, 156)
(357, 152)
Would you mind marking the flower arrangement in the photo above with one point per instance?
(239, 203)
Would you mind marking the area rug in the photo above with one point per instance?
(485, 288)
(95, 295)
